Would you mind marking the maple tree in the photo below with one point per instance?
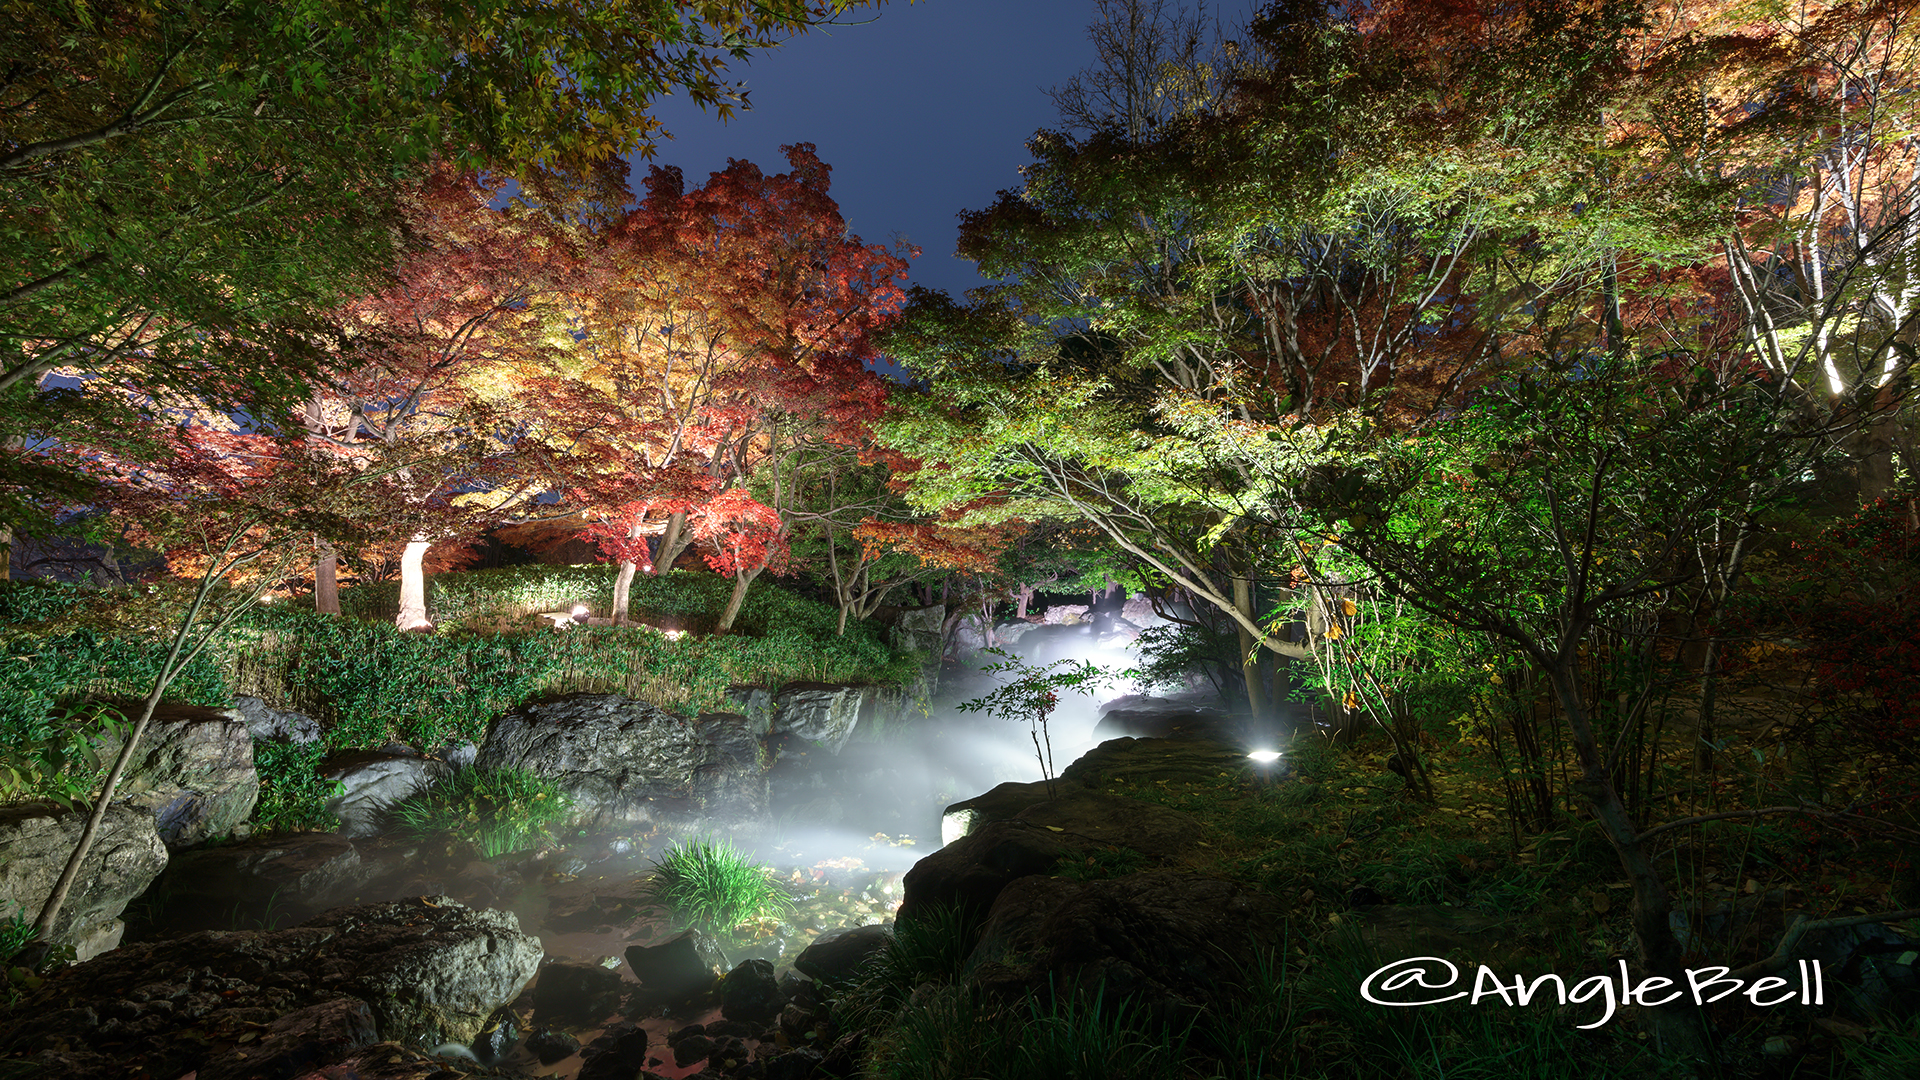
(1307, 293)
(228, 509)
(421, 367)
(188, 184)
(728, 327)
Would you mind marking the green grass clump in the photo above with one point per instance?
(16, 932)
(498, 811)
(932, 948)
(710, 884)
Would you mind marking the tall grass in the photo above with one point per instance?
(497, 811)
(711, 885)
(955, 1033)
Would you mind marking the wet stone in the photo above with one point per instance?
(550, 1046)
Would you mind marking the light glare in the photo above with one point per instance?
(1265, 757)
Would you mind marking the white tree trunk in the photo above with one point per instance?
(413, 588)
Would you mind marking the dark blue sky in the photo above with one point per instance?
(923, 112)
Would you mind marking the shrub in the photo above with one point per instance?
(712, 885)
(16, 932)
(36, 601)
(497, 811)
(293, 796)
(58, 757)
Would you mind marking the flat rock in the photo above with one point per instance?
(427, 971)
(1159, 832)
(1136, 761)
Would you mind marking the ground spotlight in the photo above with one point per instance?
(580, 613)
(1264, 757)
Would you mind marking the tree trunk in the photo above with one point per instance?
(1676, 1025)
(326, 581)
(1022, 596)
(413, 587)
(673, 541)
(1249, 648)
(6, 553)
(622, 589)
(734, 602)
(1709, 684)
(1872, 452)
(178, 657)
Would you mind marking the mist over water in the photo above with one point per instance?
(881, 802)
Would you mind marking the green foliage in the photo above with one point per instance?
(59, 757)
(16, 931)
(293, 795)
(46, 669)
(498, 811)
(710, 884)
(369, 684)
(1170, 651)
(932, 947)
(37, 600)
(1892, 1055)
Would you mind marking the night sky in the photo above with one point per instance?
(923, 112)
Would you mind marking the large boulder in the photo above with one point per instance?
(1003, 803)
(1166, 941)
(731, 780)
(822, 713)
(626, 762)
(37, 838)
(1083, 816)
(755, 703)
(193, 771)
(268, 724)
(839, 956)
(969, 873)
(373, 780)
(1010, 633)
(281, 1003)
(1154, 718)
(575, 994)
(920, 630)
(679, 968)
(432, 968)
